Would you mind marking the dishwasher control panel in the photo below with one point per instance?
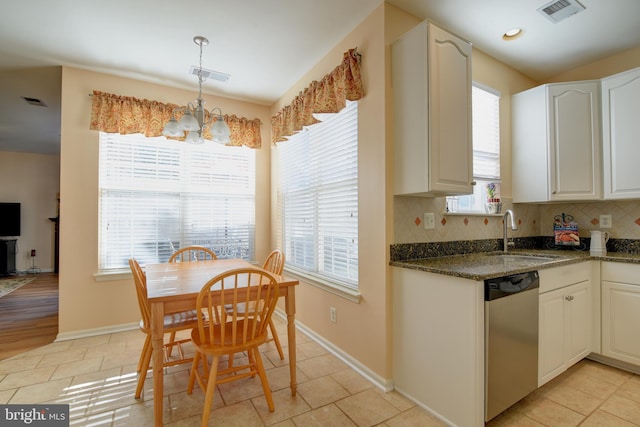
(500, 287)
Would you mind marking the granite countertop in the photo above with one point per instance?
(619, 257)
(487, 265)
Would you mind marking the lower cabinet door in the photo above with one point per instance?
(551, 336)
(620, 321)
(564, 329)
(578, 315)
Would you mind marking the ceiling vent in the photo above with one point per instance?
(209, 74)
(560, 10)
(33, 101)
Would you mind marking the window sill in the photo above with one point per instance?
(112, 275)
(470, 214)
(331, 287)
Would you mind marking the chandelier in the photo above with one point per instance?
(194, 122)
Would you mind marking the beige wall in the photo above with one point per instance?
(362, 328)
(495, 74)
(614, 64)
(86, 304)
(33, 180)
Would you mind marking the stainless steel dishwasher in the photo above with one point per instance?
(511, 340)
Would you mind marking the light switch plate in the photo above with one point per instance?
(429, 221)
(333, 315)
(605, 221)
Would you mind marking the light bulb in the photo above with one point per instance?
(188, 122)
(172, 129)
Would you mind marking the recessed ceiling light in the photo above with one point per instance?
(512, 34)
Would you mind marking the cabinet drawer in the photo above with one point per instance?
(621, 272)
(559, 277)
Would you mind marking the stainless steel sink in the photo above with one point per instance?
(521, 260)
(526, 258)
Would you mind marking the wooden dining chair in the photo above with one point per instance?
(249, 287)
(274, 264)
(172, 323)
(193, 253)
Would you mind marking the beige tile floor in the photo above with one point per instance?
(588, 394)
(96, 377)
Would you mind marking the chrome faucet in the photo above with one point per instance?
(505, 242)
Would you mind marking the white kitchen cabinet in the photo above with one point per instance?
(565, 319)
(621, 127)
(431, 84)
(621, 311)
(438, 344)
(556, 141)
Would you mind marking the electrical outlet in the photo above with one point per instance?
(606, 221)
(429, 221)
(333, 315)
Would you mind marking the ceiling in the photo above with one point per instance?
(266, 46)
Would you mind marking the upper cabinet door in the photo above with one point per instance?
(556, 143)
(574, 139)
(431, 84)
(451, 168)
(621, 135)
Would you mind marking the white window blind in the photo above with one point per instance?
(486, 150)
(318, 198)
(157, 195)
(486, 134)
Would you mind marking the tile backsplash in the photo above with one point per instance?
(625, 217)
(532, 219)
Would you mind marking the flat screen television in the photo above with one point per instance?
(9, 219)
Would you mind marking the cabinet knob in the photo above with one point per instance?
(569, 297)
(473, 183)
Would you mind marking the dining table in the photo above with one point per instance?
(174, 287)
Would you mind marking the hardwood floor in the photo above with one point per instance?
(29, 316)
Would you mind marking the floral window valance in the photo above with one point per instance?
(126, 115)
(328, 95)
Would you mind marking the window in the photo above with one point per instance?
(157, 195)
(486, 151)
(318, 199)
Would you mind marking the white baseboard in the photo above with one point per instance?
(615, 363)
(30, 272)
(377, 380)
(65, 336)
(426, 408)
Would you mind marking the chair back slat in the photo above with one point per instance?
(274, 262)
(254, 290)
(193, 253)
